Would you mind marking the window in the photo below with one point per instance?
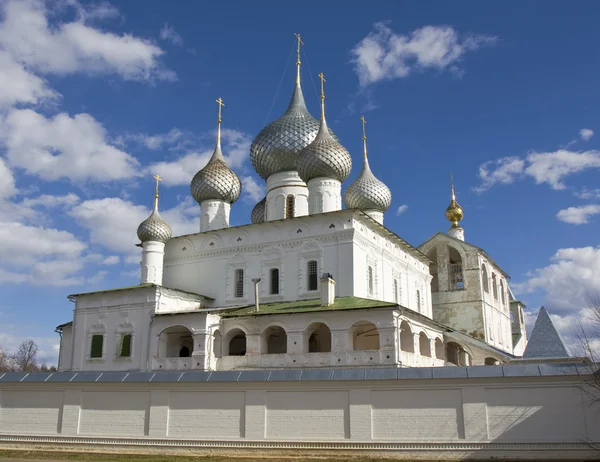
(125, 349)
(370, 280)
(419, 300)
(239, 283)
(395, 290)
(96, 351)
(274, 281)
(486, 282)
(456, 276)
(502, 292)
(494, 286)
(313, 279)
(290, 207)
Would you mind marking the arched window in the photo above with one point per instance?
(502, 292)
(274, 281)
(290, 206)
(239, 283)
(370, 280)
(395, 290)
(319, 338)
(419, 301)
(486, 281)
(494, 286)
(455, 270)
(313, 277)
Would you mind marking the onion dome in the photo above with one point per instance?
(454, 212)
(325, 156)
(258, 212)
(275, 149)
(216, 180)
(367, 192)
(154, 228)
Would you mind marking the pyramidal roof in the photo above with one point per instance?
(545, 341)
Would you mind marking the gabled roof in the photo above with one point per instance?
(545, 341)
(458, 241)
(139, 286)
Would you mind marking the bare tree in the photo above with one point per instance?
(5, 361)
(25, 358)
(588, 342)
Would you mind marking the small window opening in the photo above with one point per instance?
(239, 283)
(290, 207)
(97, 342)
(125, 349)
(274, 281)
(395, 290)
(370, 280)
(313, 279)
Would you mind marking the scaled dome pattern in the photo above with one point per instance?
(258, 212)
(275, 149)
(216, 181)
(154, 228)
(367, 192)
(324, 157)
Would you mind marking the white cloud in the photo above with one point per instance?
(169, 34)
(112, 222)
(586, 193)
(253, 190)
(403, 208)
(112, 260)
(578, 215)
(544, 167)
(63, 147)
(7, 185)
(235, 146)
(19, 86)
(586, 133)
(385, 55)
(71, 47)
(49, 201)
(154, 142)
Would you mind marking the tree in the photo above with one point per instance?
(5, 361)
(588, 341)
(25, 358)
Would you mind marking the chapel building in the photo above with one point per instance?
(308, 284)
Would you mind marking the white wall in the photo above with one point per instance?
(535, 410)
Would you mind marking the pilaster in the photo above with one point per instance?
(70, 413)
(474, 413)
(159, 413)
(360, 415)
(255, 415)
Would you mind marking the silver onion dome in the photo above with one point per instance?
(216, 180)
(154, 228)
(275, 149)
(324, 157)
(258, 212)
(367, 192)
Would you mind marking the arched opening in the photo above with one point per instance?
(274, 290)
(175, 342)
(365, 336)
(494, 286)
(236, 343)
(433, 270)
(370, 275)
(317, 338)
(502, 293)
(275, 340)
(424, 345)
(491, 362)
(455, 269)
(485, 279)
(440, 351)
(457, 355)
(406, 338)
(290, 206)
(313, 275)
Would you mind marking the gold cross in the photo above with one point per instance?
(322, 77)
(220, 102)
(158, 180)
(300, 42)
(363, 124)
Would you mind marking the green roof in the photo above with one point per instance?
(305, 306)
(139, 286)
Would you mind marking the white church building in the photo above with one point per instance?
(308, 284)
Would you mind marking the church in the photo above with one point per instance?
(308, 284)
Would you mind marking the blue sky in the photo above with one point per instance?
(97, 97)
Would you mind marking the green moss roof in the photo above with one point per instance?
(305, 306)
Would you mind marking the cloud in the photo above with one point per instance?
(71, 47)
(586, 134)
(586, 193)
(168, 33)
(49, 201)
(385, 55)
(403, 208)
(566, 285)
(63, 147)
(112, 222)
(7, 185)
(236, 149)
(19, 86)
(153, 142)
(253, 191)
(544, 167)
(578, 215)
